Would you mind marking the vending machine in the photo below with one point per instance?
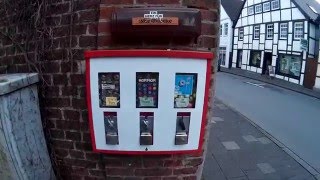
(147, 101)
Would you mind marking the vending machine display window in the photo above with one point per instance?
(109, 90)
(185, 92)
(147, 89)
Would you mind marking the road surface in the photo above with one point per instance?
(290, 117)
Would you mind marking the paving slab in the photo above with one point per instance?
(237, 150)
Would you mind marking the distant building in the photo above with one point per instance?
(230, 11)
(283, 34)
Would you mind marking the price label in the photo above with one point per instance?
(111, 101)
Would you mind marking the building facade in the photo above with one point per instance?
(226, 33)
(229, 14)
(282, 34)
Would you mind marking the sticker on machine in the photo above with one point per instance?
(109, 90)
(185, 91)
(147, 86)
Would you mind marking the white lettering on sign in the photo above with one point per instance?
(153, 15)
(147, 80)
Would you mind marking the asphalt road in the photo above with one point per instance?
(290, 117)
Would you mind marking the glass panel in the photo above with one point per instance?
(185, 91)
(109, 90)
(147, 89)
(290, 65)
(255, 58)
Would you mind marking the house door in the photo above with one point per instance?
(267, 61)
(310, 73)
(239, 58)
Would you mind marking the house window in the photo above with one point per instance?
(275, 4)
(266, 6)
(241, 32)
(258, 8)
(283, 30)
(222, 55)
(226, 27)
(220, 30)
(255, 58)
(251, 10)
(289, 65)
(269, 31)
(256, 32)
(298, 30)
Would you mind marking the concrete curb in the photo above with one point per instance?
(305, 91)
(303, 163)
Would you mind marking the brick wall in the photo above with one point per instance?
(79, 25)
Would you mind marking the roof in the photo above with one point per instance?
(233, 8)
(306, 7)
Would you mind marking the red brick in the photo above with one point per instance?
(59, 9)
(209, 15)
(97, 173)
(62, 144)
(87, 41)
(116, 178)
(53, 113)
(121, 2)
(170, 178)
(71, 115)
(93, 156)
(185, 170)
(153, 172)
(60, 79)
(190, 178)
(106, 12)
(69, 91)
(205, 4)
(150, 163)
(104, 27)
(207, 42)
(80, 163)
(79, 103)
(152, 178)
(79, 29)
(68, 125)
(76, 154)
(193, 162)
(60, 31)
(61, 152)
(86, 137)
(92, 28)
(172, 163)
(208, 29)
(57, 102)
(51, 67)
(57, 134)
(75, 136)
(83, 146)
(94, 178)
(104, 40)
(87, 16)
(159, 1)
(82, 92)
(78, 79)
(113, 163)
(80, 171)
(78, 54)
(120, 171)
(86, 4)
(84, 126)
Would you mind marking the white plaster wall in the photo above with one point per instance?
(226, 40)
(296, 14)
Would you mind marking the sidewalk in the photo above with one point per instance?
(239, 151)
(274, 81)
